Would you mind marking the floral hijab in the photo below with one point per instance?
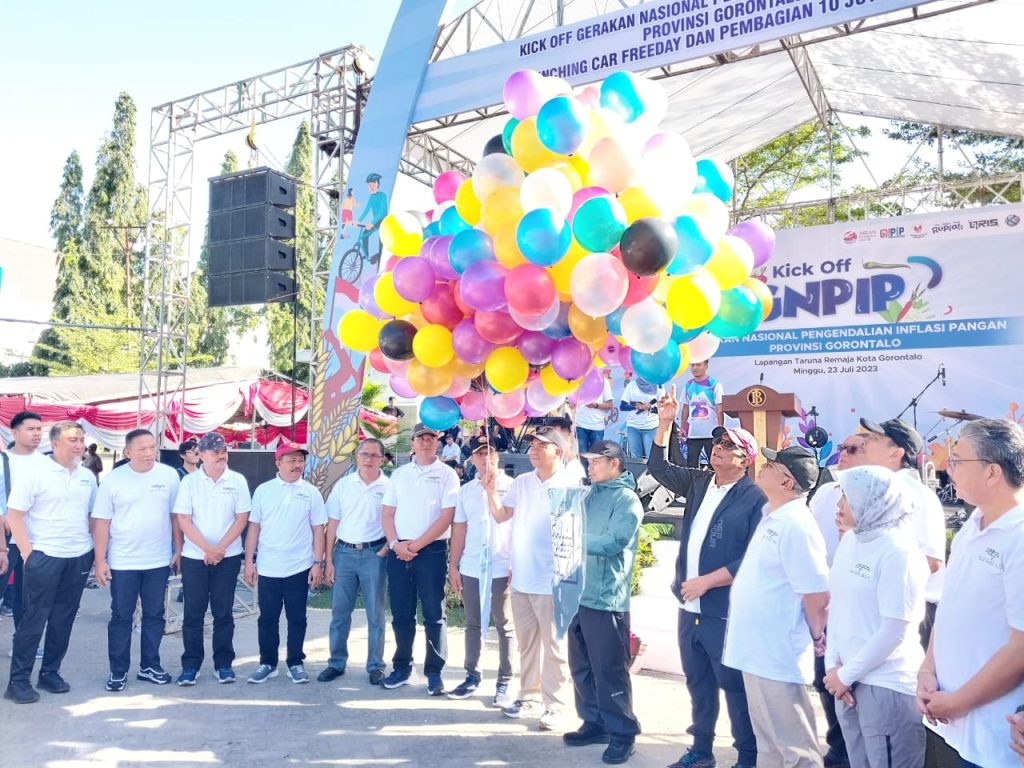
(876, 497)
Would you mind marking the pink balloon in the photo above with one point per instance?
(610, 351)
(513, 422)
(413, 278)
(536, 347)
(440, 307)
(466, 310)
(400, 386)
(581, 196)
(598, 284)
(376, 359)
(639, 288)
(590, 97)
(537, 322)
(483, 285)
(625, 359)
(497, 327)
(539, 400)
(529, 289)
(506, 405)
(524, 93)
(469, 345)
(397, 366)
(590, 390)
(437, 252)
(446, 185)
(473, 406)
(570, 358)
(460, 386)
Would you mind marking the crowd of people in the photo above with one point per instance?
(782, 582)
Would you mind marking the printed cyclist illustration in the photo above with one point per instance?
(373, 213)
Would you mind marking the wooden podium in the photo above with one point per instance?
(761, 410)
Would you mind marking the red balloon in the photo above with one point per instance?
(512, 423)
(376, 358)
(467, 310)
(639, 288)
(496, 326)
(529, 289)
(441, 308)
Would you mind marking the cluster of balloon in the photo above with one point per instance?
(585, 237)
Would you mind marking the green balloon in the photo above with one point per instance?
(599, 223)
(506, 134)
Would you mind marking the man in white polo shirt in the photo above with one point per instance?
(973, 673)
(358, 561)
(417, 513)
(133, 532)
(777, 613)
(285, 546)
(212, 509)
(48, 512)
(27, 431)
(481, 554)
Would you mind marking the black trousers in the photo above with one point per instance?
(834, 734)
(599, 664)
(51, 590)
(10, 589)
(701, 641)
(925, 629)
(213, 587)
(290, 593)
(127, 589)
(694, 447)
(422, 578)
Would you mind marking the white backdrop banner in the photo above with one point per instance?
(867, 314)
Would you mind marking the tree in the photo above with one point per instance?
(69, 207)
(82, 351)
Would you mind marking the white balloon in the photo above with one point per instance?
(703, 347)
(537, 322)
(494, 171)
(539, 398)
(547, 188)
(646, 326)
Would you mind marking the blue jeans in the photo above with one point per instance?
(639, 442)
(422, 578)
(587, 437)
(127, 588)
(355, 570)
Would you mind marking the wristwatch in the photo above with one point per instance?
(392, 544)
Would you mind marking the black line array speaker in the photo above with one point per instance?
(249, 255)
(259, 186)
(249, 288)
(255, 221)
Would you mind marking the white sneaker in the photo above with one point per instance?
(503, 696)
(550, 721)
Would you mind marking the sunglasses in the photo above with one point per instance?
(851, 449)
(728, 444)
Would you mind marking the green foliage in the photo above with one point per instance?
(83, 351)
(69, 207)
(372, 394)
(647, 535)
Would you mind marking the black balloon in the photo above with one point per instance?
(495, 145)
(395, 339)
(648, 246)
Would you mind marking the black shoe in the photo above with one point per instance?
(53, 683)
(835, 761)
(21, 693)
(618, 752)
(588, 733)
(329, 673)
(377, 677)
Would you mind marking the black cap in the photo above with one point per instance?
(901, 433)
(800, 462)
(607, 448)
(422, 428)
(551, 435)
(478, 443)
(213, 441)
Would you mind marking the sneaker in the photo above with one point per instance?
(21, 693)
(297, 674)
(465, 689)
(263, 673)
(188, 677)
(225, 675)
(377, 677)
(435, 685)
(328, 674)
(503, 696)
(586, 734)
(550, 721)
(397, 678)
(52, 682)
(155, 675)
(695, 759)
(521, 708)
(618, 752)
(115, 684)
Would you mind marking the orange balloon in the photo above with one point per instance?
(506, 248)
(762, 292)
(589, 330)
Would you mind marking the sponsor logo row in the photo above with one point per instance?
(918, 231)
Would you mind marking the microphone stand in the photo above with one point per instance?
(912, 405)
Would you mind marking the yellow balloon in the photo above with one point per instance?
(638, 204)
(708, 211)
(467, 203)
(427, 381)
(693, 300)
(506, 248)
(730, 262)
(358, 330)
(597, 130)
(527, 149)
(589, 330)
(467, 370)
(416, 318)
(684, 359)
(561, 271)
(389, 300)
(506, 369)
(571, 171)
(501, 208)
(660, 292)
(763, 294)
(432, 345)
(401, 234)
(554, 384)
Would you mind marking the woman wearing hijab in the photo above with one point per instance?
(638, 399)
(873, 651)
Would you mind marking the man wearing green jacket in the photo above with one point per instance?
(599, 634)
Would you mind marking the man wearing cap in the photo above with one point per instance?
(285, 546)
(481, 554)
(212, 509)
(417, 512)
(599, 633)
(723, 509)
(542, 656)
(777, 615)
(357, 560)
(896, 445)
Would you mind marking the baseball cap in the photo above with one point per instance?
(550, 435)
(901, 433)
(801, 463)
(422, 428)
(606, 448)
(212, 441)
(478, 444)
(739, 437)
(286, 446)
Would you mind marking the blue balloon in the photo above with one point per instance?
(468, 246)
(681, 335)
(715, 177)
(506, 134)
(542, 238)
(559, 328)
(658, 367)
(613, 320)
(693, 251)
(561, 124)
(433, 229)
(451, 222)
(439, 412)
(619, 94)
(739, 315)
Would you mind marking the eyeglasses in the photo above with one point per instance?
(953, 461)
(729, 445)
(370, 455)
(853, 449)
(782, 470)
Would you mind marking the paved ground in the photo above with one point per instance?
(281, 724)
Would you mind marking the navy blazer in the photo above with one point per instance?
(729, 532)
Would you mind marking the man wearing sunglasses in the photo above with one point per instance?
(723, 508)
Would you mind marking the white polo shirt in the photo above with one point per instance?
(57, 503)
(212, 505)
(473, 509)
(767, 633)
(138, 506)
(972, 622)
(356, 504)
(418, 493)
(873, 580)
(698, 532)
(533, 557)
(286, 513)
(594, 418)
(824, 507)
(928, 521)
(16, 461)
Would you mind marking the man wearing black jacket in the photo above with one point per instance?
(723, 507)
